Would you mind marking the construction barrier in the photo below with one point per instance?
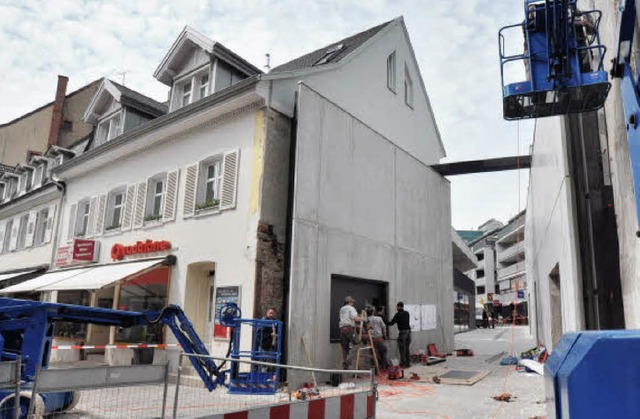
(123, 346)
(357, 405)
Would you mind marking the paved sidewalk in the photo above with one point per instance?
(427, 400)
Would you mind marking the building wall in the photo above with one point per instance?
(35, 255)
(31, 132)
(227, 239)
(617, 151)
(550, 235)
(366, 209)
(357, 84)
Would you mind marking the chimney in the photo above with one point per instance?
(58, 105)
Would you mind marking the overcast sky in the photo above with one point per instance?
(455, 43)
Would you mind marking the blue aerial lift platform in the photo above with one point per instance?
(563, 61)
(26, 331)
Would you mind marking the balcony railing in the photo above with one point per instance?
(511, 270)
(509, 254)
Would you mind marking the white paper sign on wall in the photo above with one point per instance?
(414, 316)
(428, 319)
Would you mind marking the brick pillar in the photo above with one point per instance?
(56, 116)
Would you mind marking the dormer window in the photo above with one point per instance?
(109, 128)
(3, 188)
(39, 174)
(26, 181)
(192, 87)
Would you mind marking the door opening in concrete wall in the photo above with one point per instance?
(556, 304)
(365, 291)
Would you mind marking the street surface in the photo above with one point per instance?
(422, 399)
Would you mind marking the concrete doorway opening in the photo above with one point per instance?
(556, 304)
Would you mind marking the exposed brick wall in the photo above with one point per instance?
(270, 254)
(56, 116)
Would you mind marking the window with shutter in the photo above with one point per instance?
(209, 184)
(190, 185)
(229, 180)
(99, 216)
(41, 224)
(91, 221)
(3, 227)
(171, 196)
(127, 214)
(138, 213)
(115, 206)
(6, 238)
(31, 228)
(13, 242)
(48, 231)
(22, 232)
(71, 226)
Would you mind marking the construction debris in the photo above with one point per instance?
(414, 376)
(464, 352)
(505, 397)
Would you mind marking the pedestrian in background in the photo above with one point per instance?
(348, 318)
(404, 334)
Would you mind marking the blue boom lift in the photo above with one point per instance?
(563, 61)
(26, 330)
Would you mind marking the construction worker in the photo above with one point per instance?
(377, 330)
(348, 318)
(268, 334)
(404, 334)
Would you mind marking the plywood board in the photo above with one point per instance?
(463, 377)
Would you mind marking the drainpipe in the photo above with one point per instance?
(62, 187)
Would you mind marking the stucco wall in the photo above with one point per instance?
(550, 237)
(366, 209)
(28, 133)
(228, 238)
(361, 82)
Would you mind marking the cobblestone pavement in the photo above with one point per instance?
(424, 399)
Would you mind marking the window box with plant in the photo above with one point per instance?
(113, 227)
(152, 217)
(208, 205)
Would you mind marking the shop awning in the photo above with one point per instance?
(4, 277)
(86, 278)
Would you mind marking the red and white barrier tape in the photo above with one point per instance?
(348, 406)
(133, 346)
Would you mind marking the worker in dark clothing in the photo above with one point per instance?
(404, 334)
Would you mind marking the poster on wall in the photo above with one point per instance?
(428, 319)
(414, 316)
(224, 295)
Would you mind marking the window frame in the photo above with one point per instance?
(6, 240)
(22, 231)
(110, 133)
(202, 203)
(109, 221)
(391, 73)
(152, 195)
(193, 77)
(41, 226)
(84, 203)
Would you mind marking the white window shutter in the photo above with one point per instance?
(48, 229)
(3, 228)
(31, 229)
(13, 242)
(93, 204)
(99, 219)
(229, 179)
(71, 228)
(190, 189)
(128, 207)
(141, 200)
(171, 196)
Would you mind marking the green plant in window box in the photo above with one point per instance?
(112, 227)
(212, 203)
(152, 217)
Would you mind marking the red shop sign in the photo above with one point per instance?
(119, 251)
(81, 251)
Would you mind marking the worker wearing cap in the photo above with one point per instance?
(348, 318)
(404, 334)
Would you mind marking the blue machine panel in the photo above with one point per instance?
(631, 104)
(594, 375)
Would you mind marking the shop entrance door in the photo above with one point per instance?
(196, 299)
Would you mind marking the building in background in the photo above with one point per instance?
(58, 123)
(464, 290)
(511, 279)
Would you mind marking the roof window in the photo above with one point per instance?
(329, 54)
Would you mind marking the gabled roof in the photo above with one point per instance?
(125, 96)
(190, 38)
(315, 58)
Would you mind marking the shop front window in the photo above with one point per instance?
(145, 292)
(67, 329)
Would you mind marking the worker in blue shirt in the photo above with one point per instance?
(404, 334)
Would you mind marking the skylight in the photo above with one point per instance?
(329, 54)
